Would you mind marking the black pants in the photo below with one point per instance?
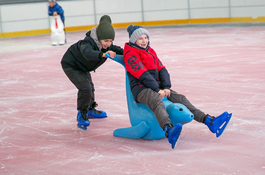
(83, 82)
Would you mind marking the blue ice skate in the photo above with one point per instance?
(96, 114)
(218, 124)
(82, 121)
(173, 134)
(92, 113)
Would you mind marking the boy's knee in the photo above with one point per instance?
(182, 96)
(85, 88)
(177, 98)
(154, 99)
(148, 95)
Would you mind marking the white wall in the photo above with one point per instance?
(165, 10)
(78, 13)
(250, 8)
(121, 11)
(33, 16)
(209, 9)
(23, 17)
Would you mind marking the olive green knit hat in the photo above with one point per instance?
(105, 29)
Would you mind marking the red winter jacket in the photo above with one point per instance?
(144, 69)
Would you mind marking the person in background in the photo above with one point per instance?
(55, 9)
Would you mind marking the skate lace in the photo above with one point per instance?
(84, 116)
(96, 112)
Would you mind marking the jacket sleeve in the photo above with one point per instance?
(50, 12)
(88, 52)
(136, 68)
(60, 10)
(165, 78)
(163, 73)
(116, 49)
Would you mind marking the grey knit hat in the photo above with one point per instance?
(135, 32)
(52, 1)
(105, 29)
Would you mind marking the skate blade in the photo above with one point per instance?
(175, 141)
(222, 128)
(82, 127)
(97, 117)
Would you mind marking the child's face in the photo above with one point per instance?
(142, 41)
(105, 43)
(51, 4)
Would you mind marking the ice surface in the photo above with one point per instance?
(217, 68)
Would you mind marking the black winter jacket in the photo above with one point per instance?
(85, 55)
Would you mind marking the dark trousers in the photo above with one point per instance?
(83, 82)
(152, 99)
(64, 30)
(179, 98)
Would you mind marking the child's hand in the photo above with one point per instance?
(167, 92)
(161, 93)
(111, 53)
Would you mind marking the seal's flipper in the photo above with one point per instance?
(135, 132)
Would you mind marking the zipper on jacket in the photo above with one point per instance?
(153, 58)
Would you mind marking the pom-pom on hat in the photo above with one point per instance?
(105, 29)
(135, 32)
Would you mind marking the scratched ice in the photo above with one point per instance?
(218, 69)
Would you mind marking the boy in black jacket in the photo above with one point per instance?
(84, 56)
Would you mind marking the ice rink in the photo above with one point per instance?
(218, 68)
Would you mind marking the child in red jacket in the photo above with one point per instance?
(150, 82)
